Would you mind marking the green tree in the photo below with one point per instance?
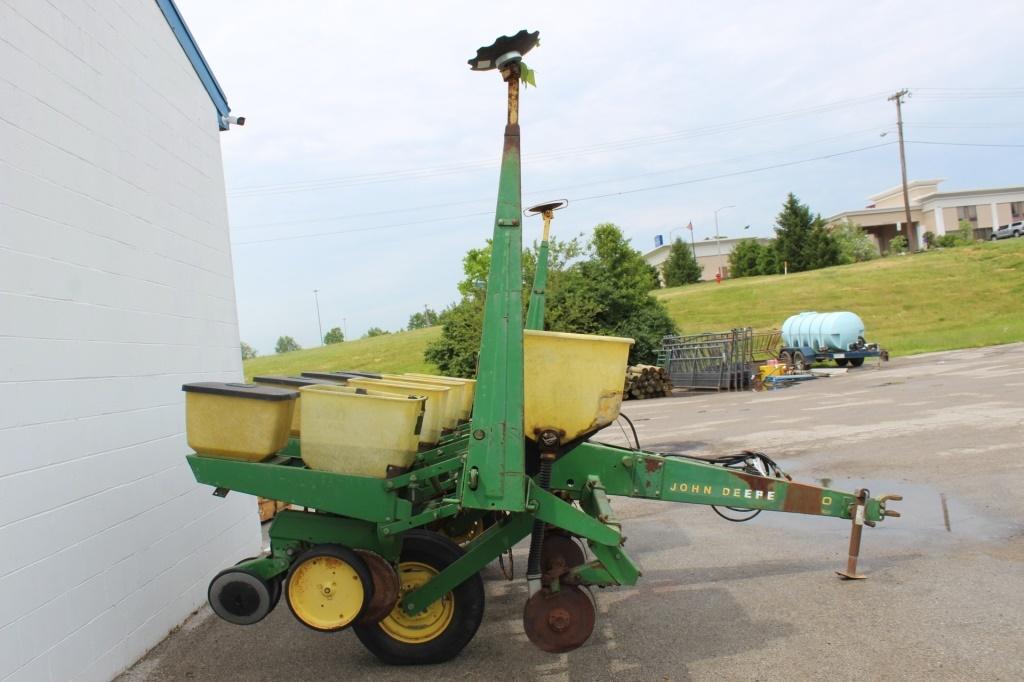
(333, 336)
(966, 232)
(374, 331)
(793, 228)
(609, 293)
(455, 351)
(603, 288)
(248, 352)
(822, 249)
(898, 244)
(768, 261)
(745, 259)
(855, 245)
(427, 318)
(286, 344)
(681, 266)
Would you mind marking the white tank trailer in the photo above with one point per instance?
(811, 337)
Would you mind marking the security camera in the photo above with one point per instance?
(236, 120)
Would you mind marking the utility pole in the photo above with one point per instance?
(911, 232)
(319, 326)
(718, 243)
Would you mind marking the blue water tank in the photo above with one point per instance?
(823, 331)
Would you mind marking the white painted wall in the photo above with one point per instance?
(115, 288)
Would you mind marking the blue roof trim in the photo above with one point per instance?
(195, 55)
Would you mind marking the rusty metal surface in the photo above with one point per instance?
(486, 57)
(558, 554)
(561, 621)
(385, 587)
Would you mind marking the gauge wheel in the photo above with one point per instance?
(328, 587)
(856, 362)
(276, 584)
(241, 597)
(438, 633)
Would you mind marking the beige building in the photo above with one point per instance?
(936, 212)
(710, 256)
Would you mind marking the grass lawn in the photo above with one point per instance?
(401, 352)
(939, 300)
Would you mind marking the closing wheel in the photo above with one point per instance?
(841, 362)
(328, 587)
(856, 362)
(385, 587)
(241, 597)
(558, 554)
(440, 632)
(561, 621)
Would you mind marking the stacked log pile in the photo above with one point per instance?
(646, 381)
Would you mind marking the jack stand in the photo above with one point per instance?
(857, 517)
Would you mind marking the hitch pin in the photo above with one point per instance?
(857, 516)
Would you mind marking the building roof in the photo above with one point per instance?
(927, 201)
(195, 55)
(913, 184)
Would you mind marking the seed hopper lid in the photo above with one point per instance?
(504, 50)
(238, 390)
(282, 380)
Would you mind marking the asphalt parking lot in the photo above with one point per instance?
(944, 599)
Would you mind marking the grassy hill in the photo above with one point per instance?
(401, 352)
(941, 300)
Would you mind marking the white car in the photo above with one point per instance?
(1006, 231)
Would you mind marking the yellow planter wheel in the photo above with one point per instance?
(328, 587)
(444, 628)
(427, 625)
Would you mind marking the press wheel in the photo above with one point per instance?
(328, 587)
(438, 633)
(561, 621)
(385, 587)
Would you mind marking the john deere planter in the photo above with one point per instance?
(406, 500)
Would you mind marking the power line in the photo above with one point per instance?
(963, 144)
(615, 145)
(576, 200)
(282, 223)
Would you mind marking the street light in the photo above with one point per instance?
(319, 325)
(718, 243)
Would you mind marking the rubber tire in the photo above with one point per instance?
(800, 362)
(438, 551)
(856, 362)
(276, 583)
(1016, 233)
(993, 238)
(786, 358)
(349, 557)
(841, 362)
(264, 591)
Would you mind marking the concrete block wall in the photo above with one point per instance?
(115, 288)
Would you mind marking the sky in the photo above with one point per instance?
(368, 164)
